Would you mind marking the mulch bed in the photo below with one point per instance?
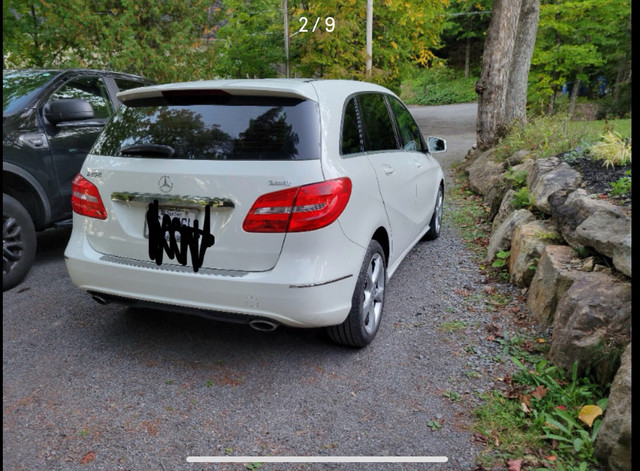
(597, 178)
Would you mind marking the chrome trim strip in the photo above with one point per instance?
(172, 268)
(143, 199)
(311, 285)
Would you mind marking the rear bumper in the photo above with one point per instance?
(300, 291)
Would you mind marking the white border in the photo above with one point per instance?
(317, 459)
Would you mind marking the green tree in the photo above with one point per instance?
(464, 33)
(249, 41)
(160, 39)
(24, 37)
(405, 32)
(577, 41)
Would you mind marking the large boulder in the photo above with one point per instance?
(555, 273)
(527, 243)
(592, 325)
(610, 234)
(501, 237)
(506, 208)
(519, 157)
(548, 176)
(571, 208)
(484, 173)
(613, 445)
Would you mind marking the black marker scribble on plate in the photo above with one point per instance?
(159, 243)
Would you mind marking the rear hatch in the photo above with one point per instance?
(186, 152)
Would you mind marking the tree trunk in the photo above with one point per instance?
(516, 101)
(574, 93)
(494, 78)
(467, 58)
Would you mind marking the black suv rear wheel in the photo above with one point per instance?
(18, 242)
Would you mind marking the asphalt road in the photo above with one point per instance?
(87, 386)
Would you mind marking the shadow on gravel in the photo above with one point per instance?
(51, 244)
(163, 334)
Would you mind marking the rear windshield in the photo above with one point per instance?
(218, 127)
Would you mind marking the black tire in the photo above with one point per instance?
(18, 242)
(362, 323)
(435, 225)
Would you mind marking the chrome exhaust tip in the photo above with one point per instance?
(263, 325)
(99, 299)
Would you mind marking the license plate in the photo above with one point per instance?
(185, 216)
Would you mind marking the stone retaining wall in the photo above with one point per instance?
(585, 299)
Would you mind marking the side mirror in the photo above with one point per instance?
(68, 109)
(436, 144)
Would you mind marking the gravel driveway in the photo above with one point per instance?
(95, 387)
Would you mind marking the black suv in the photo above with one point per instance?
(50, 120)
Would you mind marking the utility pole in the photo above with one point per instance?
(285, 11)
(369, 37)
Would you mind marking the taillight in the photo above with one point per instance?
(304, 208)
(85, 199)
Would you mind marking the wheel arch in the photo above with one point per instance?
(23, 187)
(382, 237)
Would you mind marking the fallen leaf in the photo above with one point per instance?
(524, 408)
(480, 438)
(589, 413)
(89, 457)
(525, 399)
(539, 392)
(514, 465)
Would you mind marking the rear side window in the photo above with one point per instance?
(409, 130)
(217, 126)
(351, 143)
(377, 123)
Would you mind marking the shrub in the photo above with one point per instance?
(522, 198)
(622, 187)
(516, 179)
(613, 150)
(439, 86)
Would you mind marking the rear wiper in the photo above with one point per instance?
(149, 150)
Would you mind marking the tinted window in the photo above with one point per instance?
(409, 131)
(126, 84)
(351, 143)
(217, 127)
(20, 87)
(378, 126)
(91, 89)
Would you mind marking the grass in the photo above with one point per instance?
(438, 86)
(546, 136)
(468, 213)
(541, 415)
(452, 326)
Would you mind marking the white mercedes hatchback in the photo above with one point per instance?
(259, 201)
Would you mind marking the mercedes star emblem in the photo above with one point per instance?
(165, 184)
